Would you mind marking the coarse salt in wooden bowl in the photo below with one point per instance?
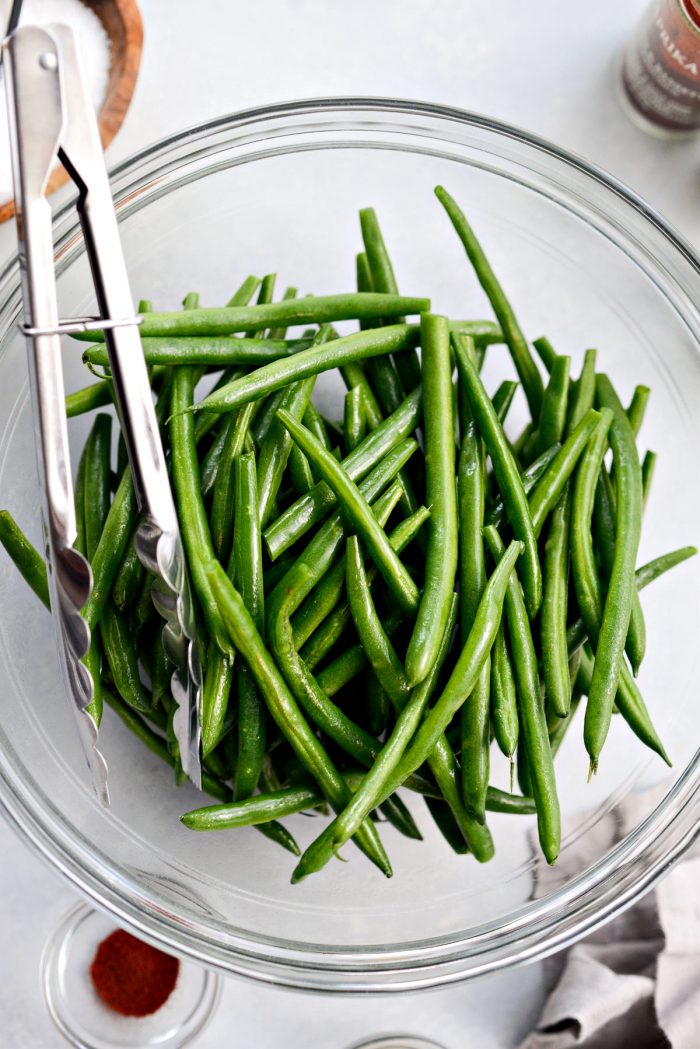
(122, 23)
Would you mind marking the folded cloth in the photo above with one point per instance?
(636, 981)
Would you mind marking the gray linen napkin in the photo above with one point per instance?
(635, 982)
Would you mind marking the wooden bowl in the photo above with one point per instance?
(122, 22)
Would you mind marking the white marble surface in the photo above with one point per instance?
(546, 66)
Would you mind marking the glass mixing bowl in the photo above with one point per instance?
(585, 262)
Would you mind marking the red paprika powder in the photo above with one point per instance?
(132, 977)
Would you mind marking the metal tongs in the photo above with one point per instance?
(51, 117)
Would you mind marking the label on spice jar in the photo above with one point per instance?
(661, 69)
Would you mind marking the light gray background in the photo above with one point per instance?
(547, 66)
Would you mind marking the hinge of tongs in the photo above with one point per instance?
(51, 117)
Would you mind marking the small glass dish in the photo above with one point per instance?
(585, 262)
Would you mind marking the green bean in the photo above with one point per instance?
(354, 376)
(581, 393)
(554, 404)
(316, 359)
(216, 694)
(447, 825)
(383, 280)
(504, 708)
(545, 495)
(313, 420)
(243, 295)
(557, 734)
(306, 511)
(357, 511)
(343, 669)
(354, 421)
(530, 478)
(80, 541)
(586, 582)
(284, 709)
(145, 306)
(279, 333)
(397, 814)
(222, 516)
(514, 338)
(98, 395)
(637, 408)
(648, 466)
(382, 371)
(301, 477)
(474, 715)
(265, 414)
(190, 301)
(122, 659)
(441, 558)
(380, 652)
(376, 699)
(507, 476)
(618, 602)
(604, 528)
(215, 351)
(533, 723)
(503, 398)
(555, 664)
(111, 548)
(247, 559)
(252, 811)
(26, 557)
(128, 579)
(373, 788)
(275, 449)
(227, 320)
(545, 352)
(500, 801)
(196, 536)
(96, 481)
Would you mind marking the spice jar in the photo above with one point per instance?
(660, 76)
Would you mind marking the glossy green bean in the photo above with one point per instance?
(507, 476)
(25, 556)
(216, 695)
(271, 377)
(501, 801)
(111, 548)
(533, 723)
(637, 408)
(222, 507)
(252, 811)
(514, 338)
(554, 405)
(306, 511)
(555, 592)
(247, 561)
(383, 279)
(243, 294)
(324, 309)
(581, 393)
(504, 707)
(380, 652)
(546, 352)
(621, 588)
(215, 351)
(354, 421)
(442, 552)
(474, 715)
(98, 395)
(96, 481)
(121, 657)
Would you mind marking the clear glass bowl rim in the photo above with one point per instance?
(544, 926)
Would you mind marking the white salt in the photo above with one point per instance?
(93, 42)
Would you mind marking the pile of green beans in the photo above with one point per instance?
(380, 596)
